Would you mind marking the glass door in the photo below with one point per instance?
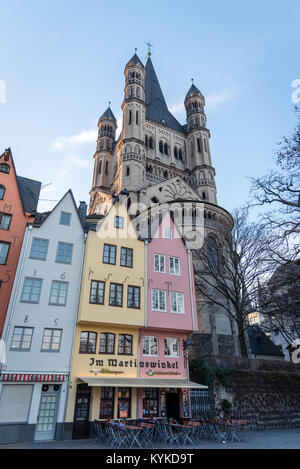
(46, 422)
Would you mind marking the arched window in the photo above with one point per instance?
(204, 195)
(128, 202)
(137, 117)
(166, 174)
(151, 143)
(100, 167)
(161, 147)
(166, 149)
(130, 117)
(138, 93)
(212, 253)
(2, 192)
(180, 154)
(4, 168)
(146, 141)
(176, 153)
(155, 200)
(198, 145)
(106, 168)
(127, 171)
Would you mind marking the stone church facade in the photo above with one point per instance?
(159, 164)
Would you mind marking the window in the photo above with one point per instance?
(126, 257)
(133, 297)
(21, 340)
(107, 403)
(100, 166)
(109, 254)
(4, 248)
(125, 344)
(167, 233)
(150, 346)
(88, 342)
(174, 263)
(15, 403)
(39, 249)
(161, 147)
(116, 294)
(107, 343)
(213, 254)
(180, 154)
(177, 303)
(171, 347)
(97, 292)
(151, 143)
(137, 117)
(198, 145)
(51, 340)
(127, 171)
(2, 192)
(5, 220)
(64, 253)
(150, 402)
(176, 153)
(58, 293)
(31, 290)
(158, 300)
(124, 400)
(166, 149)
(130, 117)
(4, 168)
(159, 263)
(119, 222)
(65, 218)
(106, 168)
(146, 141)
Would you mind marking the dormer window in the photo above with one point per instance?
(4, 168)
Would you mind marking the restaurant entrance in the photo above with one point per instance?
(173, 405)
(81, 426)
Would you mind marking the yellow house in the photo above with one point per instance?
(111, 312)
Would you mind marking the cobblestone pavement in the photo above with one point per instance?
(266, 439)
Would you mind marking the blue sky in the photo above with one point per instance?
(62, 61)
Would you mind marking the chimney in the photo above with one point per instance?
(82, 210)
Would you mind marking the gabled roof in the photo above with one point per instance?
(108, 114)
(29, 191)
(193, 91)
(134, 61)
(261, 344)
(157, 109)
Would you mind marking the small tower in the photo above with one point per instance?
(102, 178)
(202, 172)
(132, 147)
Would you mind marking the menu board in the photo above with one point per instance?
(185, 400)
(163, 405)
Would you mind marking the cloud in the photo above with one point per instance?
(86, 136)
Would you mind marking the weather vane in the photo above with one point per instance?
(149, 48)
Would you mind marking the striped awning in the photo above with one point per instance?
(141, 382)
(21, 377)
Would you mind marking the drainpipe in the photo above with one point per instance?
(17, 281)
(191, 290)
(146, 283)
(74, 333)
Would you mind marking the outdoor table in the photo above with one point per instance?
(133, 434)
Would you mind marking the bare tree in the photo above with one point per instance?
(228, 269)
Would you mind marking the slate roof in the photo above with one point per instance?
(135, 60)
(29, 191)
(108, 114)
(193, 91)
(157, 109)
(261, 344)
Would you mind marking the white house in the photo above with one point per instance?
(40, 324)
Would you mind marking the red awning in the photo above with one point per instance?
(21, 377)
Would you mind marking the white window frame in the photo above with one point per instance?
(159, 292)
(160, 256)
(167, 233)
(172, 339)
(177, 294)
(149, 345)
(174, 259)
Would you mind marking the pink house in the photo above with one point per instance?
(170, 316)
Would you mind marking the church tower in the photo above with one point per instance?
(202, 172)
(132, 146)
(100, 193)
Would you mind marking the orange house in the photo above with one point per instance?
(18, 202)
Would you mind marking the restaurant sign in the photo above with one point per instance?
(157, 367)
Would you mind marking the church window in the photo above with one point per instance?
(166, 149)
(180, 154)
(138, 93)
(100, 167)
(151, 143)
(203, 195)
(127, 171)
(166, 174)
(176, 152)
(198, 144)
(146, 141)
(155, 200)
(130, 117)
(106, 168)
(205, 144)
(137, 118)
(161, 147)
